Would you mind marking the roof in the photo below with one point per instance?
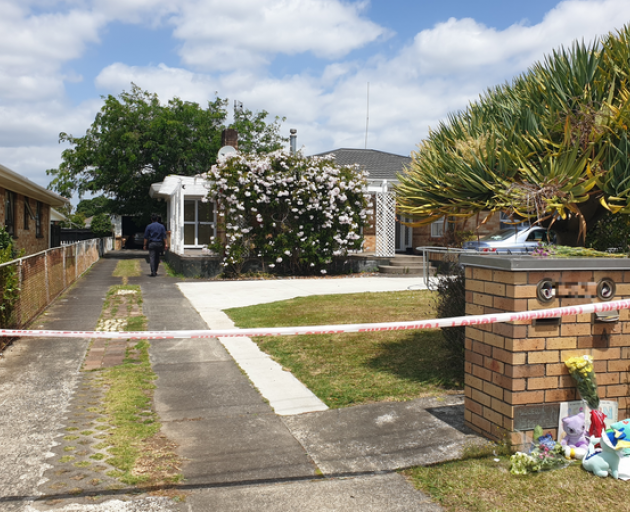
(193, 185)
(380, 164)
(16, 183)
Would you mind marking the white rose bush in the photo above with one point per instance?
(291, 212)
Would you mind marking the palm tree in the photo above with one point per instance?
(551, 147)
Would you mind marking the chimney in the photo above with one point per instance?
(229, 137)
(293, 140)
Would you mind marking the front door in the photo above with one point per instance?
(404, 234)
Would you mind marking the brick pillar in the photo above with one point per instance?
(515, 373)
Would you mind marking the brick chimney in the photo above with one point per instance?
(229, 137)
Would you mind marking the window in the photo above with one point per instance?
(198, 222)
(9, 212)
(437, 228)
(38, 220)
(28, 213)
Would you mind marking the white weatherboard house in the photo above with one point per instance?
(190, 220)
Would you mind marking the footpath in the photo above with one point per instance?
(238, 453)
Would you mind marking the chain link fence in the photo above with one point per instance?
(41, 277)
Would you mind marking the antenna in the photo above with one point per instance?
(367, 117)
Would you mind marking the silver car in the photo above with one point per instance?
(512, 241)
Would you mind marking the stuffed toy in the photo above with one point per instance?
(574, 427)
(604, 462)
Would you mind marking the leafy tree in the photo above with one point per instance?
(135, 141)
(90, 207)
(293, 213)
(551, 147)
(75, 221)
(255, 135)
(101, 225)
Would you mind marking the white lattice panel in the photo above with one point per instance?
(385, 224)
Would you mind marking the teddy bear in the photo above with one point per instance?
(574, 427)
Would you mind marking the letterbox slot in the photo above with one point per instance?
(607, 316)
(554, 320)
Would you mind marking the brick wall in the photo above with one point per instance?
(26, 238)
(513, 366)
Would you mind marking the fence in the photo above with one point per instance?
(43, 276)
(442, 258)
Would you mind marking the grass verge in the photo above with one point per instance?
(486, 485)
(127, 268)
(140, 455)
(356, 368)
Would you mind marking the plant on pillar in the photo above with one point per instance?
(292, 212)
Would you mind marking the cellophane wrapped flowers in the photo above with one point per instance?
(581, 369)
(545, 454)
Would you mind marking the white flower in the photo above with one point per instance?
(323, 271)
(278, 259)
(271, 265)
(287, 252)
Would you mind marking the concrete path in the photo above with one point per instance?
(239, 454)
(285, 393)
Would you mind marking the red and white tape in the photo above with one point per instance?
(600, 307)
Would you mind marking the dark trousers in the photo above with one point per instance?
(155, 250)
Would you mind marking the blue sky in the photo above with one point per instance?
(307, 60)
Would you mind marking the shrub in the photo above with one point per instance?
(293, 213)
(101, 225)
(610, 232)
(8, 280)
(451, 302)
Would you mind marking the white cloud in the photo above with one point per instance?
(241, 33)
(34, 47)
(225, 47)
(465, 46)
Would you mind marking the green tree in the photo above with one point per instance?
(135, 141)
(90, 207)
(255, 134)
(75, 221)
(101, 225)
(551, 147)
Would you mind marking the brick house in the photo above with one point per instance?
(27, 212)
(383, 169)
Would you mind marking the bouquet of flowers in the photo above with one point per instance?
(545, 454)
(581, 369)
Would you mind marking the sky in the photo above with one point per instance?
(345, 73)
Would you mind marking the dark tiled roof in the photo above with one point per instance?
(380, 165)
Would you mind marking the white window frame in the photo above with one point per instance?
(197, 223)
(437, 228)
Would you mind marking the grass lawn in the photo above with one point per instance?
(484, 485)
(356, 368)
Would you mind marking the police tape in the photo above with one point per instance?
(600, 307)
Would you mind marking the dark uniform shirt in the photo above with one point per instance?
(155, 232)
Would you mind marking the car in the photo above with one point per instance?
(512, 240)
(138, 239)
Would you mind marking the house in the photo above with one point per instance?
(28, 211)
(190, 218)
(386, 235)
(389, 234)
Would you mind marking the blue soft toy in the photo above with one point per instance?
(575, 428)
(603, 462)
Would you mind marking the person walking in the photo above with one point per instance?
(155, 240)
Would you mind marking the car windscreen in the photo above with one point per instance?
(497, 236)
